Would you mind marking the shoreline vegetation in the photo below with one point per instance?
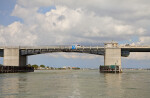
(43, 67)
(136, 68)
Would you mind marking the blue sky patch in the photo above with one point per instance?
(43, 10)
(7, 20)
(6, 8)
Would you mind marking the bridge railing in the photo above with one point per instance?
(43, 47)
(2, 47)
(58, 47)
(132, 46)
(52, 47)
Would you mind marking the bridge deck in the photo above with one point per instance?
(136, 49)
(33, 50)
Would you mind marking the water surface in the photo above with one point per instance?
(75, 84)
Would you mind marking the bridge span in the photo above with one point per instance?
(112, 52)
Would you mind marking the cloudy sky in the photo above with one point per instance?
(63, 22)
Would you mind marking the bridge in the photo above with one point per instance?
(112, 52)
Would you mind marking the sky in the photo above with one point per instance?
(67, 22)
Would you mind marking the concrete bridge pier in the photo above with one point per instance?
(12, 57)
(112, 58)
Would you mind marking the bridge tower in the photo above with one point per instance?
(112, 58)
(12, 57)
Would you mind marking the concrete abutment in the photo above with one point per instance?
(12, 57)
(112, 58)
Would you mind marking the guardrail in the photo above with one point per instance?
(57, 47)
(68, 47)
(133, 46)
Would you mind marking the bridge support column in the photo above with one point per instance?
(12, 57)
(23, 60)
(112, 58)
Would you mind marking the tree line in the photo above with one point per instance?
(36, 66)
(52, 68)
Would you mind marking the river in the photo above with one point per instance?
(75, 84)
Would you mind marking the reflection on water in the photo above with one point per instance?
(114, 86)
(12, 85)
(75, 84)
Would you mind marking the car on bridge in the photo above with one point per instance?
(74, 46)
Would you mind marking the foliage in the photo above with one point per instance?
(76, 68)
(51, 68)
(61, 68)
(43, 66)
(29, 65)
(35, 66)
(1, 65)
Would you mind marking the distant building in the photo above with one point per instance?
(41, 68)
(66, 67)
(75, 68)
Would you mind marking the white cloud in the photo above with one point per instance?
(63, 25)
(139, 56)
(73, 55)
(16, 34)
(144, 40)
(78, 21)
(127, 10)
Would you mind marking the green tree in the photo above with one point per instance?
(52, 68)
(43, 66)
(35, 66)
(29, 65)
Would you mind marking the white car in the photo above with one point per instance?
(78, 45)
